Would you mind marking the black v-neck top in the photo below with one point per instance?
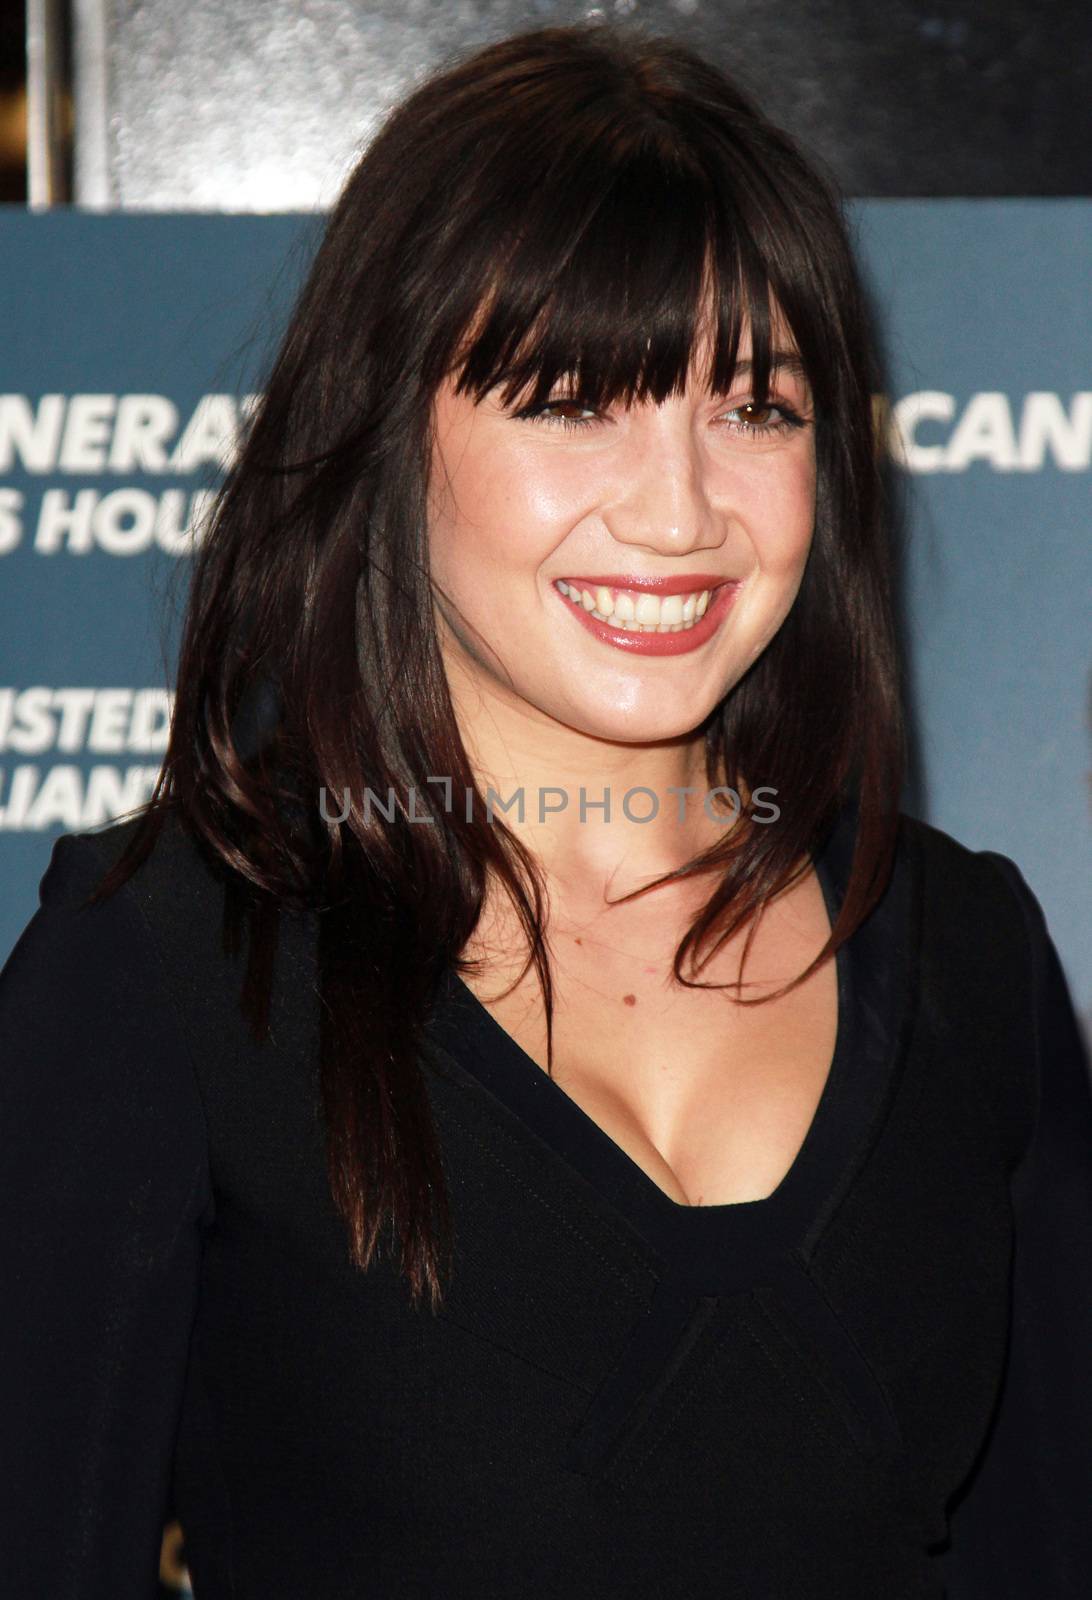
(712, 1247)
(875, 1382)
(705, 1252)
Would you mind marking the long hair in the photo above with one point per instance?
(562, 200)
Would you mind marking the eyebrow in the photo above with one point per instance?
(780, 360)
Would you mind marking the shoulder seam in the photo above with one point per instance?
(1010, 874)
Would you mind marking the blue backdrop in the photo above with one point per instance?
(132, 343)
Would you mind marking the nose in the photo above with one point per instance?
(665, 505)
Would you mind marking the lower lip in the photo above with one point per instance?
(659, 644)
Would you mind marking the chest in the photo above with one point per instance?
(553, 1287)
(711, 1099)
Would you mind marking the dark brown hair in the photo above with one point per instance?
(555, 202)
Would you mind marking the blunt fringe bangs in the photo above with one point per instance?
(589, 202)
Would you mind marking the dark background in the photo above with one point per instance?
(903, 98)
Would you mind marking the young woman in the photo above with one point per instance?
(523, 1113)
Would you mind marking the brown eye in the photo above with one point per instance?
(563, 408)
(750, 420)
(553, 411)
(757, 416)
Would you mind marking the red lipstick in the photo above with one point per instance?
(635, 642)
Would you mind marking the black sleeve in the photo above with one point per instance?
(104, 1195)
(1023, 1528)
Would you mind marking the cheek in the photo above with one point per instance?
(497, 493)
(466, 522)
(534, 498)
(509, 514)
(784, 519)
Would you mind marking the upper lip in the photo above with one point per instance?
(681, 583)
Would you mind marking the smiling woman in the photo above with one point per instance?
(672, 483)
(681, 1187)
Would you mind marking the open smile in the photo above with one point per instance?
(650, 621)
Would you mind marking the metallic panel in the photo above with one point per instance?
(260, 105)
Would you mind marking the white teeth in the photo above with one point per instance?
(643, 613)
